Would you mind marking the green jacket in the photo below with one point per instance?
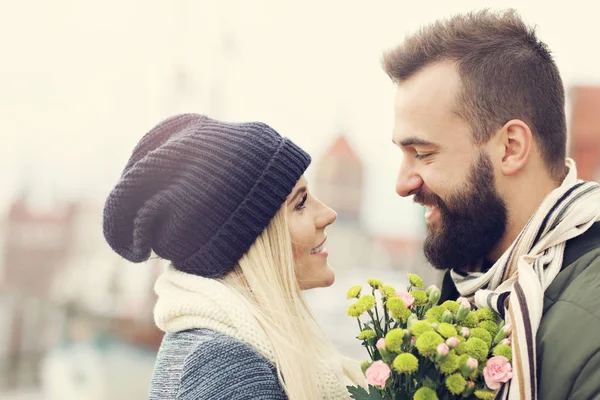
(568, 340)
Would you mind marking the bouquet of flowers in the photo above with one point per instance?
(421, 350)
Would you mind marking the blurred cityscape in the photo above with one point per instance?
(76, 320)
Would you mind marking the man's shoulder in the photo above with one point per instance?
(578, 282)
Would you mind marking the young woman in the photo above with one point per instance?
(227, 204)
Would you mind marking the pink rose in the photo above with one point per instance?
(465, 332)
(452, 341)
(407, 298)
(443, 349)
(413, 340)
(497, 371)
(464, 302)
(380, 344)
(506, 341)
(378, 373)
(508, 329)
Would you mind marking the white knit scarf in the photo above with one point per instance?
(188, 301)
(528, 267)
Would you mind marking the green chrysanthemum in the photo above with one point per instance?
(503, 350)
(471, 320)
(416, 281)
(393, 340)
(451, 305)
(456, 383)
(434, 314)
(485, 394)
(420, 297)
(397, 309)
(446, 330)
(450, 363)
(374, 283)
(489, 326)
(427, 343)
(425, 393)
(367, 334)
(481, 334)
(354, 291)
(420, 327)
(477, 349)
(366, 302)
(388, 291)
(486, 314)
(354, 310)
(461, 348)
(405, 363)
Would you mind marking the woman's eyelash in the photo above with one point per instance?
(302, 203)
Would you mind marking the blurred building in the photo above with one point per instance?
(585, 131)
(70, 309)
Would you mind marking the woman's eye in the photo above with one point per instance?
(302, 203)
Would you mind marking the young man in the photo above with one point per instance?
(480, 120)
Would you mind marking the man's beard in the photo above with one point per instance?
(472, 221)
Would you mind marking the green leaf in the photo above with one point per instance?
(358, 393)
(375, 393)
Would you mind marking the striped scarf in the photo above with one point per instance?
(514, 286)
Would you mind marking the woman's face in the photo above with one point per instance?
(308, 218)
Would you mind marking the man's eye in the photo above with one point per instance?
(421, 156)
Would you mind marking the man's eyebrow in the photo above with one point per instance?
(413, 141)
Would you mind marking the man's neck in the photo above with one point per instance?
(521, 205)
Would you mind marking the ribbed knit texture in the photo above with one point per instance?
(192, 302)
(198, 192)
(205, 364)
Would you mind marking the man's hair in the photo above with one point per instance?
(506, 72)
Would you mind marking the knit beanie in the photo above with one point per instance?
(198, 192)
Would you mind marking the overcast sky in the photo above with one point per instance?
(82, 81)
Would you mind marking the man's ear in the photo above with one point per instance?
(517, 141)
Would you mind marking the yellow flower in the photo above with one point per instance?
(477, 349)
(420, 297)
(367, 334)
(427, 343)
(450, 363)
(434, 314)
(416, 281)
(366, 302)
(425, 393)
(405, 363)
(503, 350)
(375, 283)
(456, 383)
(486, 314)
(393, 340)
(485, 394)
(446, 330)
(396, 307)
(482, 334)
(354, 291)
(354, 310)
(420, 327)
(388, 291)
(451, 305)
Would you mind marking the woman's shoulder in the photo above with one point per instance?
(214, 365)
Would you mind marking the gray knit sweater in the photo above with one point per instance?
(203, 364)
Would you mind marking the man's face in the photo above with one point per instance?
(445, 171)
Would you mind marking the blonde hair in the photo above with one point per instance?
(266, 278)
